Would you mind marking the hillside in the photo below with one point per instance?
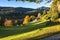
(10, 12)
(29, 31)
(16, 9)
(48, 25)
(19, 12)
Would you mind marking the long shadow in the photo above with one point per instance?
(8, 31)
(51, 23)
(47, 24)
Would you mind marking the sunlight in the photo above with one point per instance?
(47, 30)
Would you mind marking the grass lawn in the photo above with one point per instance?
(29, 31)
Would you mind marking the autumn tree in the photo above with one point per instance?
(32, 18)
(8, 22)
(39, 16)
(44, 12)
(54, 7)
(26, 20)
(54, 10)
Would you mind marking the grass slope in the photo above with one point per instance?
(28, 32)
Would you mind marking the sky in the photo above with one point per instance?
(26, 4)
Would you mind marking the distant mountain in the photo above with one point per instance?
(41, 9)
(12, 12)
(15, 9)
(44, 8)
(21, 9)
(20, 12)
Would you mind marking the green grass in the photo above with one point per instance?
(26, 32)
(7, 31)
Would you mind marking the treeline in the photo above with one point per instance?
(7, 21)
(16, 22)
(17, 19)
(30, 18)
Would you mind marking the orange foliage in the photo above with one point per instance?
(26, 20)
(8, 23)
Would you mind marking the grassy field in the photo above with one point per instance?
(31, 31)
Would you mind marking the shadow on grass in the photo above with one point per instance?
(8, 31)
(51, 23)
(47, 24)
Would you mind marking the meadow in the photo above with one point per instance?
(31, 31)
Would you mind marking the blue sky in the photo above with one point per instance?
(25, 4)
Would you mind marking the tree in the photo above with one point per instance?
(54, 16)
(32, 18)
(54, 7)
(39, 16)
(58, 20)
(0, 18)
(26, 20)
(58, 6)
(44, 12)
(37, 1)
(0, 21)
(8, 23)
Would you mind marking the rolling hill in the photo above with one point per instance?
(30, 31)
(20, 12)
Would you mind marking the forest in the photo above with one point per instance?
(18, 14)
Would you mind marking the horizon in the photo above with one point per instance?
(25, 4)
(23, 7)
